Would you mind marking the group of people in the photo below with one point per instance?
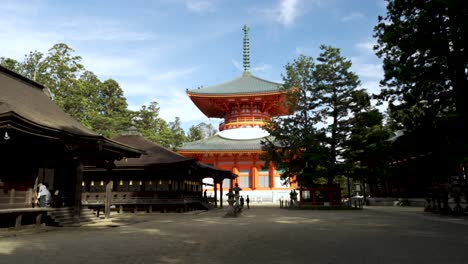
(247, 200)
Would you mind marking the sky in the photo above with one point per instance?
(157, 49)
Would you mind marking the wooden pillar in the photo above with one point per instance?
(78, 179)
(29, 197)
(254, 174)
(271, 174)
(108, 201)
(12, 196)
(39, 219)
(235, 170)
(221, 194)
(109, 187)
(19, 218)
(215, 188)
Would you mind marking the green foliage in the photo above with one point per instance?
(151, 126)
(200, 131)
(308, 144)
(367, 150)
(337, 85)
(423, 46)
(177, 137)
(296, 146)
(101, 106)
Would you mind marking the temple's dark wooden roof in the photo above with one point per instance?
(159, 157)
(156, 155)
(25, 106)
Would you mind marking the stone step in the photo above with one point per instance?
(65, 216)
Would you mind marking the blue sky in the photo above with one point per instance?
(157, 49)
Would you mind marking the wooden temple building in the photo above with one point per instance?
(160, 180)
(246, 104)
(41, 143)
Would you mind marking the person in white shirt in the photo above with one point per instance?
(44, 195)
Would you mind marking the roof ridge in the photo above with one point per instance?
(258, 78)
(247, 83)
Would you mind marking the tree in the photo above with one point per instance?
(111, 115)
(151, 126)
(100, 106)
(62, 72)
(11, 64)
(423, 46)
(177, 134)
(367, 151)
(296, 147)
(309, 143)
(337, 84)
(194, 134)
(200, 131)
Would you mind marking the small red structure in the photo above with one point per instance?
(320, 194)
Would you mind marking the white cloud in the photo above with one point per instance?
(173, 74)
(261, 68)
(200, 6)
(373, 87)
(367, 69)
(238, 65)
(288, 11)
(110, 65)
(179, 104)
(367, 65)
(352, 17)
(366, 47)
(303, 51)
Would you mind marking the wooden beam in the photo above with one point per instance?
(19, 219)
(39, 219)
(215, 192)
(78, 179)
(109, 187)
(221, 194)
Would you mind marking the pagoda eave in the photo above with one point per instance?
(217, 106)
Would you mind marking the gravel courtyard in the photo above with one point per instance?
(260, 235)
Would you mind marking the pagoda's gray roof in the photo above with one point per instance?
(217, 143)
(246, 84)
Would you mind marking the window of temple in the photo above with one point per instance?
(244, 178)
(263, 179)
(227, 183)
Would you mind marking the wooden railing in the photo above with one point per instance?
(12, 198)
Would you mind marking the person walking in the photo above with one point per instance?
(242, 201)
(247, 200)
(44, 195)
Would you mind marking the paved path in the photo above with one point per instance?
(260, 235)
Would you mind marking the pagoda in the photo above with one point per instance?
(246, 104)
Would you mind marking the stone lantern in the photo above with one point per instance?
(231, 211)
(236, 190)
